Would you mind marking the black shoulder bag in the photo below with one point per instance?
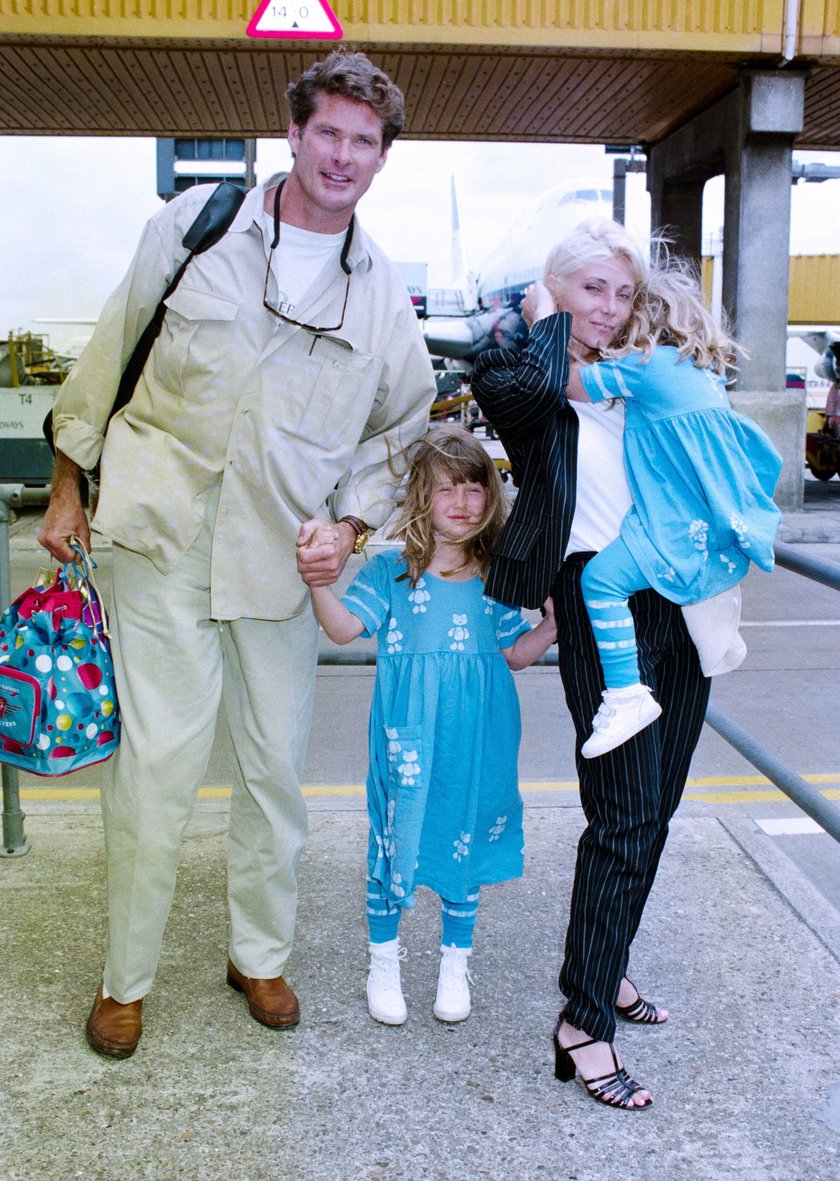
(208, 228)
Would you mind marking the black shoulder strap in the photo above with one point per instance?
(214, 218)
(209, 227)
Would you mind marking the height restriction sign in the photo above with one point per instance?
(311, 19)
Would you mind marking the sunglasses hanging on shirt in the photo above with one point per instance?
(345, 266)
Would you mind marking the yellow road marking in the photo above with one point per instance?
(772, 796)
(756, 789)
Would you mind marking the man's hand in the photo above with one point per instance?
(323, 548)
(65, 517)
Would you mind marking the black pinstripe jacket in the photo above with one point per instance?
(523, 394)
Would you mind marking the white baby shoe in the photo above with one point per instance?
(452, 1002)
(621, 714)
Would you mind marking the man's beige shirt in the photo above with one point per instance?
(290, 424)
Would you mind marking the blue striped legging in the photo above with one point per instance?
(607, 582)
(383, 916)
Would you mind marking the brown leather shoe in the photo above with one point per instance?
(270, 1001)
(114, 1029)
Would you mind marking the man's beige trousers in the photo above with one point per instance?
(174, 665)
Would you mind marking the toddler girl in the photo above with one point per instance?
(702, 480)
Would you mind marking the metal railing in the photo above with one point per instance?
(803, 794)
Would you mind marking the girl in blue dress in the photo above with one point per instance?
(702, 480)
(442, 789)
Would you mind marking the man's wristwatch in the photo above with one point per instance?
(360, 529)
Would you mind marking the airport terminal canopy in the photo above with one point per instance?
(577, 71)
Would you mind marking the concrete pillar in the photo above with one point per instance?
(756, 236)
(677, 210)
(748, 135)
(756, 261)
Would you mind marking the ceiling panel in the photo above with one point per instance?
(99, 87)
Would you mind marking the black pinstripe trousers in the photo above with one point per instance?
(628, 795)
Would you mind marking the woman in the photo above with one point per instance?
(567, 461)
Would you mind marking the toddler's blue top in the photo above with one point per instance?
(702, 477)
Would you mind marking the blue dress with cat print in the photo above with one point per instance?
(442, 788)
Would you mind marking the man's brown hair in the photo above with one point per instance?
(353, 76)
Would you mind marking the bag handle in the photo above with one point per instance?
(81, 569)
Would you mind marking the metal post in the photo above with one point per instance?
(818, 569)
(619, 190)
(15, 843)
(803, 794)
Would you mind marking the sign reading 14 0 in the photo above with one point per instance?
(298, 18)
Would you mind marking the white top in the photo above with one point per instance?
(603, 494)
(300, 256)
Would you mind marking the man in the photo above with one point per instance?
(288, 375)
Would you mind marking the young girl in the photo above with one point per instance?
(702, 480)
(442, 790)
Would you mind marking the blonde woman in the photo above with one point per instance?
(568, 464)
(702, 479)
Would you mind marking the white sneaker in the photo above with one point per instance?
(452, 1002)
(622, 713)
(384, 990)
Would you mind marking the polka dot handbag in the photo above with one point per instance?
(58, 703)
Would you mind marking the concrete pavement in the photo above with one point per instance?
(745, 1073)
(737, 943)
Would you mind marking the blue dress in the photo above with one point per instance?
(702, 477)
(442, 788)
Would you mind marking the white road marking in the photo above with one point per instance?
(790, 623)
(790, 826)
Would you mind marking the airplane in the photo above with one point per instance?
(491, 315)
(486, 313)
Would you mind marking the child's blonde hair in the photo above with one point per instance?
(672, 311)
(448, 452)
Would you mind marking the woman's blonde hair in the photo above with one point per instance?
(595, 239)
(673, 312)
(448, 452)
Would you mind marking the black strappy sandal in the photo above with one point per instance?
(615, 1090)
(640, 1011)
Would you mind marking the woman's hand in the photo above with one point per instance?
(547, 610)
(537, 304)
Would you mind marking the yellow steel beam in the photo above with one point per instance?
(814, 290)
(814, 294)
(819, 29)
(754, 27)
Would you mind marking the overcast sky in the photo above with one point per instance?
(73, 209)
